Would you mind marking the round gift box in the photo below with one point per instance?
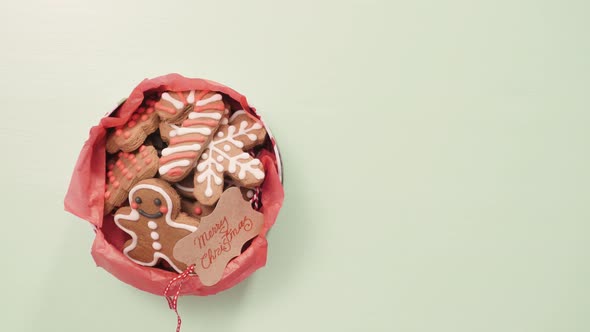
(85, 197)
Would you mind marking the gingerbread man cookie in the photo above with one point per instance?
(132, 134)
(187, 140)
(225, 156)
(154, 223)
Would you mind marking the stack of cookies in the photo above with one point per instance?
(169, 164)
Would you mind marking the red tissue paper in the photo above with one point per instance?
(85, 197)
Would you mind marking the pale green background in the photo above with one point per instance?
(436, 158)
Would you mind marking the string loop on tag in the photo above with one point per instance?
(256, 201)
(173, 299)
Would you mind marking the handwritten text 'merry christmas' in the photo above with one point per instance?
(220, 236)
(224, 234)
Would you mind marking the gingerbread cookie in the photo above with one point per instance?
(188, 140)
(173, 106)
(126, 169)
(154, 223)
(185, 187)
(132, 134)
(225, 156)
(247, 193)
(166, 127)
(195, 209)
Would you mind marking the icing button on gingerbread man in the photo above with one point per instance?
(154, 223)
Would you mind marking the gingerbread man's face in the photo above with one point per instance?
(149, 203)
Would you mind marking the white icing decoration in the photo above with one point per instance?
(230, 134)
(179, 163)
(219, 134)
(154, 235)
(183, 188)
(204, 156)
(214, 98)
(196, 115)
(226, 148)
(225, 119)
(152, 224)
(191, 97)
(176, 103)
(157, 246)
(134, 216)
(179, 131)
(255, 126)
(250, 193)
(219, 158)
(181, 148)
(236, 114)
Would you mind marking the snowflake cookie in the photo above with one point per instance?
(225, 156)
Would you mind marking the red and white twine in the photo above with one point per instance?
(173, 300)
